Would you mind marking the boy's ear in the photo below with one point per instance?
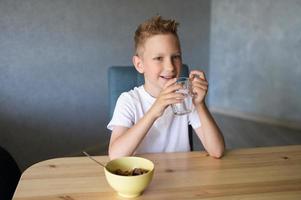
(138, 64)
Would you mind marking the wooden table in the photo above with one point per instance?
(257, 173)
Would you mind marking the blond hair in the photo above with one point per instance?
(153, 26)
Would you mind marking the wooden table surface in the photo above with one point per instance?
(257, 173)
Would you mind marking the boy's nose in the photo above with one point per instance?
(169, 66)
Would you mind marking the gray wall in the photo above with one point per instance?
(255, 57)
(54, 56)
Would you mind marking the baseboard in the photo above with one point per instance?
(257, 118)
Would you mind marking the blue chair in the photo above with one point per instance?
(125, 78)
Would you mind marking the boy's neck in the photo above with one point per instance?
(150, 92)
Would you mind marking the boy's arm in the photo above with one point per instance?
(124, 141)
(209, 133)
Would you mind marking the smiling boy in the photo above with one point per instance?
(143, 120)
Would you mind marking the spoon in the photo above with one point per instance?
(93, 159)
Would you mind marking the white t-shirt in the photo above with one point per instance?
(169, 132)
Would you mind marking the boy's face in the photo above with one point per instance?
(160, 60)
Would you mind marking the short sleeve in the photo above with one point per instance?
(194, 119)
(124, 112)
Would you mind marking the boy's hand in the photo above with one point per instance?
(199, 86)
(167, 97)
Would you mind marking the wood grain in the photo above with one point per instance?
(257, 173)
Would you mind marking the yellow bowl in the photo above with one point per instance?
(129, 186)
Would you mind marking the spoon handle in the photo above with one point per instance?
(93, 159)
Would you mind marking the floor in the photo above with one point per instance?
(240, 133)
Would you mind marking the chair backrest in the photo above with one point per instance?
(125, 78)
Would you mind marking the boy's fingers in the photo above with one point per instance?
(175, 98)
(199, 90)
(168, 96)
(200, 84)
(205, 88)
(172, 88)
(199, 81)
(196, 73)
(173, 101)
(169, 83)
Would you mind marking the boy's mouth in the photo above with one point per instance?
(167, 77)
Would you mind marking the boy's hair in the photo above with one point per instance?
(154, 26)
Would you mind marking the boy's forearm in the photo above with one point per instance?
(127, 143)
(213, 138)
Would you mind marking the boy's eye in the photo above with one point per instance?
(176, 57)
(158, 58)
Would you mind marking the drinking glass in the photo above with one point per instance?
(186, 106)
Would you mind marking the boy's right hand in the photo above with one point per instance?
(167, 97)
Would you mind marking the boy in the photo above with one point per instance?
(143, 120)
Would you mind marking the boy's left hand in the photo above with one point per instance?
(199, 86)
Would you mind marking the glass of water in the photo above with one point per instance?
(186, 106)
